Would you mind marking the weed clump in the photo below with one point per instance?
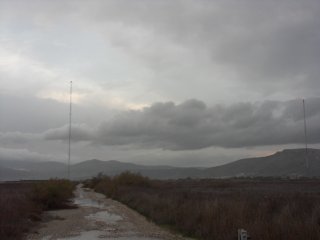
(53, 194)
(110, 186)
(16, 208)
(21, 204)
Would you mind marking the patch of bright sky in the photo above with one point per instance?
(101, 71)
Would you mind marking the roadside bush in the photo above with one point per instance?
(91, 183)
(131, 179)
(21, 204)
(106, 186)
(53, 194)
(110, 186)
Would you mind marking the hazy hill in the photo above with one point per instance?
(285, 163)
(289, 162)
(10, 174)
(93, 167)
(15, 170)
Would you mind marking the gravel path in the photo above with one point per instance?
(98, 218)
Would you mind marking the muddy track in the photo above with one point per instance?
(98, 218)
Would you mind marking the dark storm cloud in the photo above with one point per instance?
(193, 125)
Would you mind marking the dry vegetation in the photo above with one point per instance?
(214, 209)
(22, 203)
(53, 194)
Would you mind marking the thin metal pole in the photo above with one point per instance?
(305, 136)
(70, 122)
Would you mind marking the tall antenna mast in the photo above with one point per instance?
(305, 136)
(70, 122)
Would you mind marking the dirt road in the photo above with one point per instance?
(98, 218)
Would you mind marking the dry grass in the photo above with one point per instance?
(214, 209)
(22, 203)
(16, 210)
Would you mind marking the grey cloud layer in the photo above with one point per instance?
(269, 46)
(80, 132)
(12, 154)
(253, 47)
(193, 125)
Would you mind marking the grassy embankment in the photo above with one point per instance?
(21, 204)
(214, 209)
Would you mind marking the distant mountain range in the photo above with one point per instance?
(290, 162)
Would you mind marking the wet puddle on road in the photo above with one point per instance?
(87, 202)
(105, 216)
(83, 200)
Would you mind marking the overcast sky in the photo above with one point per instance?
(175, 82)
